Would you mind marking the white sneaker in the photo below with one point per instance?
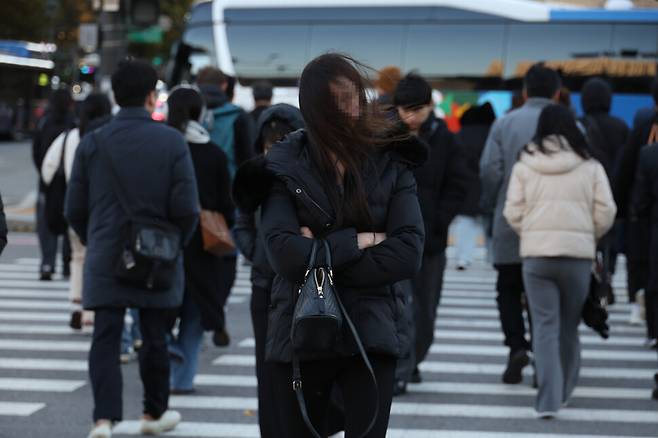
(168, 421)
(641, 301)
(103, 430)
(635, 318)
(548, 415)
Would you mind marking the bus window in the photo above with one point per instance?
(201, 14)
(642, 39)
(201, 47)
(375, 45)
(262, 51)
(452, 50)
(548, 42)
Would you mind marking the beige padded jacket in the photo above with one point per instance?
(559, 203)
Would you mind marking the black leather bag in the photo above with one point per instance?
(595, 314)
(317, 319)
(316, 327)
(150, 247)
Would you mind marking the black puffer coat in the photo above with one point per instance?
(443, 182)
(366, 280)
(476, 124)
(644, 205)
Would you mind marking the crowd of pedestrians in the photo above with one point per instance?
(356, 199)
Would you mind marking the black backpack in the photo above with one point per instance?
(55, 196)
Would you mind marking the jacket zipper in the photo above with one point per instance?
(302, 191)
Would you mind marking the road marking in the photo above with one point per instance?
(35, 329)
(34, 304)
(446, 322)
(34, 316)
(31, 345)
(46, 385)
(33, 293)
(20, 409)
(43, 364)
(493, 313)
(35, 284)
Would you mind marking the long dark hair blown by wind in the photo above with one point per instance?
(336, 136)
(558, 120)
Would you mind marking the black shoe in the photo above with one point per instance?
(76, 320)
(654, 394)
(221, 338)
(66, 272)
(514, 372)
(174, 391)
(46, 276)
(399, 388)
(655, 379)
(416, 377)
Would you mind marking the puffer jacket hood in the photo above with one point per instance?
(282, 111)
(561, 159)
(596, 96)
(213, 96)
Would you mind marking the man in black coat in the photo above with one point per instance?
(443, 182)
(637, 229)
(58, 118)
(150, 163)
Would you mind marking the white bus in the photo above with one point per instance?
(469, 49)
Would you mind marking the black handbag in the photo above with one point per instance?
(316, 327)
(55, 196)
(150, 247)
(595, 314)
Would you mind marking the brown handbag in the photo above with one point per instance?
(215, 233)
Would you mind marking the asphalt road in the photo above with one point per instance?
(44, 389)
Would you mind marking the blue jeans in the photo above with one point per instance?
(187, 345)
(467, 230)
(131, 332)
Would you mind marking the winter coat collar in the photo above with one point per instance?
(195, 133)
(562, 158)
(537, 102)
(133, 112)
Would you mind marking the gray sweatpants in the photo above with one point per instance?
(556, 288)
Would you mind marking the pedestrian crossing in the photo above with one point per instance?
(42, 364)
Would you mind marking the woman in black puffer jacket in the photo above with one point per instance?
(342, 181)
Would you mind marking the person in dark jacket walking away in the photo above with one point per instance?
(476, 123)
(201, 309)
(232, 130)
(58, 118)
(96, 111)
(637, 235)
(607, 136)
(3, 227)
(442, 186)
(151, 164)
(274, 124)
(508, 135)
(262, 92)
(344, 181)
(644, 208)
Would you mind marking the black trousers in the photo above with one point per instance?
(510, 306)
(105, 368)
(226, 272)
(352, 379)
(427, 295)
(267, 399)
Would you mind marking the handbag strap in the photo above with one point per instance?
(118, 190)
(62, 156)
(296, 370)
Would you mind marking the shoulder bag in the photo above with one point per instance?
(215, 233)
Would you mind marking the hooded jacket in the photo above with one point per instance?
(218, 105)
(558, 203)
(476, 123)
(293, 196)
(252, 174)
(607, 134)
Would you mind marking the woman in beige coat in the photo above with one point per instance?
(559, 202)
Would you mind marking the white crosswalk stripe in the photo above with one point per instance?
(460, 395)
